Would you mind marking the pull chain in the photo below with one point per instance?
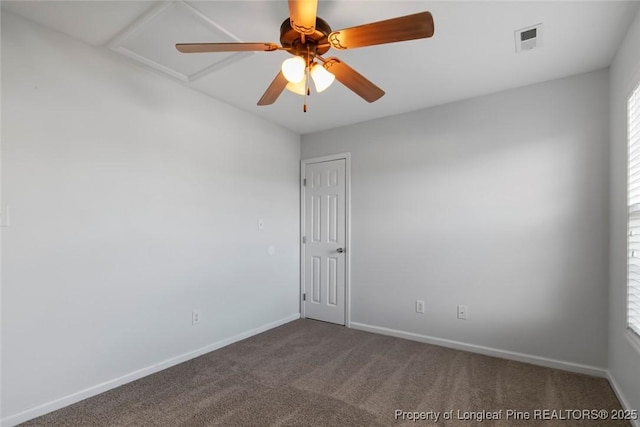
(307, 89)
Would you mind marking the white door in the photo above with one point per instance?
(324, 241)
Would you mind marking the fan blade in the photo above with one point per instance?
(225, 47)
(353, 80)
(274, 90)
(410, 27)
(302, 15)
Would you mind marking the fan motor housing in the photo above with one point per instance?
(317, 41)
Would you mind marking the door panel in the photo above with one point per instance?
(325, 232)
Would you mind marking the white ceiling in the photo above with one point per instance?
(472, 52)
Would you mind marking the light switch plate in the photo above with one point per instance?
(463, 311)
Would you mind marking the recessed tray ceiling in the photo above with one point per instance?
(151, 40)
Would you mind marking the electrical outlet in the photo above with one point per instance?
(463, 311)
(195, 317)
(260, 224)
(419, 306)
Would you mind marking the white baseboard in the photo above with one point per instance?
(503, 354)
(45, 408)
(623, 400)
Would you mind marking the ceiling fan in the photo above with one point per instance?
(307, 37)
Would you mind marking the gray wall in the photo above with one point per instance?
(624, 360)
(499, 203)
(134, 200)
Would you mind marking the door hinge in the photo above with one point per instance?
(304, 240)
(304, 297)
(304, 182)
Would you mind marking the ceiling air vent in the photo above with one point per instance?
(528, 38)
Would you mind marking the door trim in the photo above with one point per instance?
(347, 260)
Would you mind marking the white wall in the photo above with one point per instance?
(624, 360)
(1, 228)
(499, 203)
(134, 200)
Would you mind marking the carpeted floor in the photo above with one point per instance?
(309, 373)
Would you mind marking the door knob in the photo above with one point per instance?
(340, 250)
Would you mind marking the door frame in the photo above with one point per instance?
(347, 259)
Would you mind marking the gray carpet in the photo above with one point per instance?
(309, 373)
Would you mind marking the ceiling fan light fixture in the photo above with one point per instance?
(321, 77)
(293, 69)
(297, 88)
(307, 37)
